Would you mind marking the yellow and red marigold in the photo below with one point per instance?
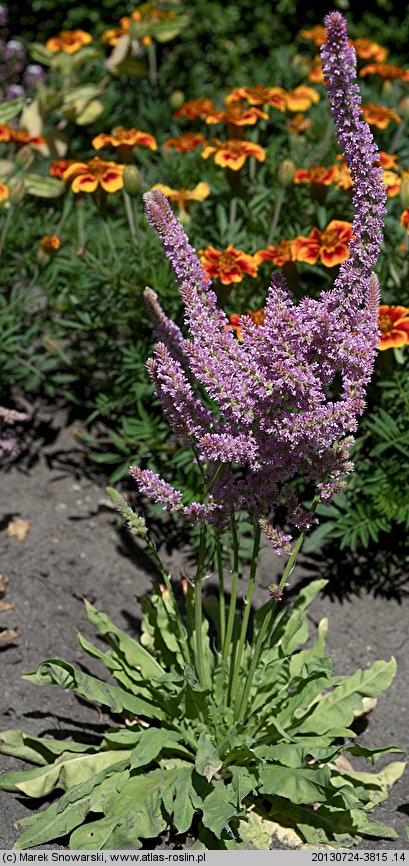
(301, 98)
(125, 138)
(330, 245)
(281, 255)
(50, 243)
(184, 197)
(235, 115)
(186, 142)
(19, 137)
(317, 34)
(140, 15)
(368, 50)
(379, 115)
(229, 265)
(88, 176)
(4, 192)
(299, 124)
(387, 71)
(393, 324)
(257, 316)
(195, 108)
(233, 152)
(260, 95)
(404, 220)
(59, 166)
(392, 182)
(69, 41)
(317, 175)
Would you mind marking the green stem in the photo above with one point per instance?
(222, 602)
(168, 583)
(153, 66)
(108, 234)
(5, 230)
(233, 212)
(397, 136)
(233, 598)
(269, 618)
(131, 219)
(276, 213)
(200, 666)
(79, 204)
(246, 615)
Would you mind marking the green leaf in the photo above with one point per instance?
(41, 54)
(298, 785)
(57, 672)
(177, 800)
(68, 770)
(337, 708)
(295, 632)
(138, 803)
(95, 835)
(207, 757)
(219, 807)
(43, 187)
(10, 109)
(373, 755)
(37, 750)
(135, 654)
(53, 823)
(298, 660)
(150, 745)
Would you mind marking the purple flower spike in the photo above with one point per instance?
(282, 402)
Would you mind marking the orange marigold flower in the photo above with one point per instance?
(299, 124)
(379, 115)
(392, 182)
(69, 41)
(404, 220)
(258, 317)
(388, 160)
(185, 142)
(260, 95)
(50, 243)
(301, 98)
(125, 138)
(195, 108)
(330, 245)
(140, 15)
(110, 37)
(318, 174)
(88, 176)
(368, 50)
(4, 191)
(184, 197)
(316, 73)
(280, 256)
(19, 137)
(59, 166)
(228, 265)
(318, 34)
(394, 326)
(235, 115)
(385, 70)
(233, 153)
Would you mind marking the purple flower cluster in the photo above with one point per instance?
(8, 443)
(15, 79)
(273, 410)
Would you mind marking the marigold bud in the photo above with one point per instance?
(404, 190)
(132, 180)
(17, 191)
(286, 172)
(176, 99)
(24, 156)
(404, 107)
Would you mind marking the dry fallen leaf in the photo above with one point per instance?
(3, 583)
(18, 529)
(8, 635)
(4, 605)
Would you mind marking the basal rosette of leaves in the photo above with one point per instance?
(184, 762)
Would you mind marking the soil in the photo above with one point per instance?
(74, 548)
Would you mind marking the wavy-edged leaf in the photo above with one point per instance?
(134, 653)
(337, 708)
(58, 672)
(37, 750)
